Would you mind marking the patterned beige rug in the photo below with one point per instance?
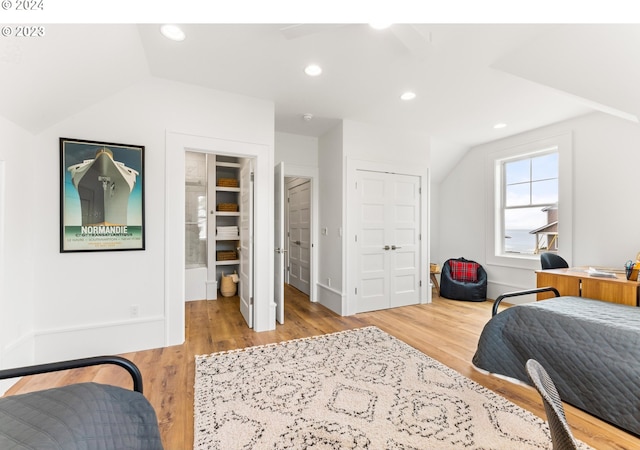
(358, 389)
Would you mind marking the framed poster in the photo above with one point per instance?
(101, 196)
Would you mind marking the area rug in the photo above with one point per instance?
(357, 389)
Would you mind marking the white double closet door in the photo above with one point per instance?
(388, 240)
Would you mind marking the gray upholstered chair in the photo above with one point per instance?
(561, 435)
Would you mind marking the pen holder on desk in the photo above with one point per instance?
(632, 271)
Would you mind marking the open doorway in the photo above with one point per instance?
(177, 144)
(219, 228)
(295, 237)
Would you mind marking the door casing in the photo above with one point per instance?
(294, 170)
(177, 144)
(278, 241)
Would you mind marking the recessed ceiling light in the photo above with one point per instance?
(313, 70)
(172, 32)
(379, 26)
(499, 125)
(408, 95)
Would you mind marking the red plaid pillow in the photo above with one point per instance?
(464, 271)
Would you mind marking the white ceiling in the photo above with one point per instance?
(466, 77)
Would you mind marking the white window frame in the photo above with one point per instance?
(494, 231)
(500, 167)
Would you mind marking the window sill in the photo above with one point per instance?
(529, 262)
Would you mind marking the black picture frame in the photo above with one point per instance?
(101, 196)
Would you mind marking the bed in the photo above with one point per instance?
(590, 348)
(81, 415)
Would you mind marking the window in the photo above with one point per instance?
(529, 207)
(529, 182)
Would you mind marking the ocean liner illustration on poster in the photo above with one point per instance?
(104, 186)
(102, 196)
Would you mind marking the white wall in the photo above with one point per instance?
(443, 158)
(331, 199)
(606, 207)
(461, 210)
(82, 300)
(434, 223)
(22, 220)
(294, 149)
(605, 212)
(398, 148)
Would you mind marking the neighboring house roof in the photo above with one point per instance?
(545, 229)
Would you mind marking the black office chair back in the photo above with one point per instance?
(561, 435)
(552, 261)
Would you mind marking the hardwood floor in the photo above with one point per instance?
(445, 330)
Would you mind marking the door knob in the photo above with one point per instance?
(297, 242)
(386, 247)
(393, 247)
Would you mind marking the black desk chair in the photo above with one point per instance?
(552, 261)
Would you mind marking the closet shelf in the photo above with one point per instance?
(227, 164)
(231, 262)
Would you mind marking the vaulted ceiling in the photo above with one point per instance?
(466, 77)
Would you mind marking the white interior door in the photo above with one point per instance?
(246, 240)
(404, 225)
(278, 242)
(388, 240)
(373, 243)
(299, 236)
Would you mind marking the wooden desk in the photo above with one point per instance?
(576, 282)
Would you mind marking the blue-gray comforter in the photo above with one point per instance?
(590, 348)
(84, 416)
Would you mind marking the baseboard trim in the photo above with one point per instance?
(331, 298)
(108, 338)
(18, 353)
(497, 288)
(94, 326)
(329, 288)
